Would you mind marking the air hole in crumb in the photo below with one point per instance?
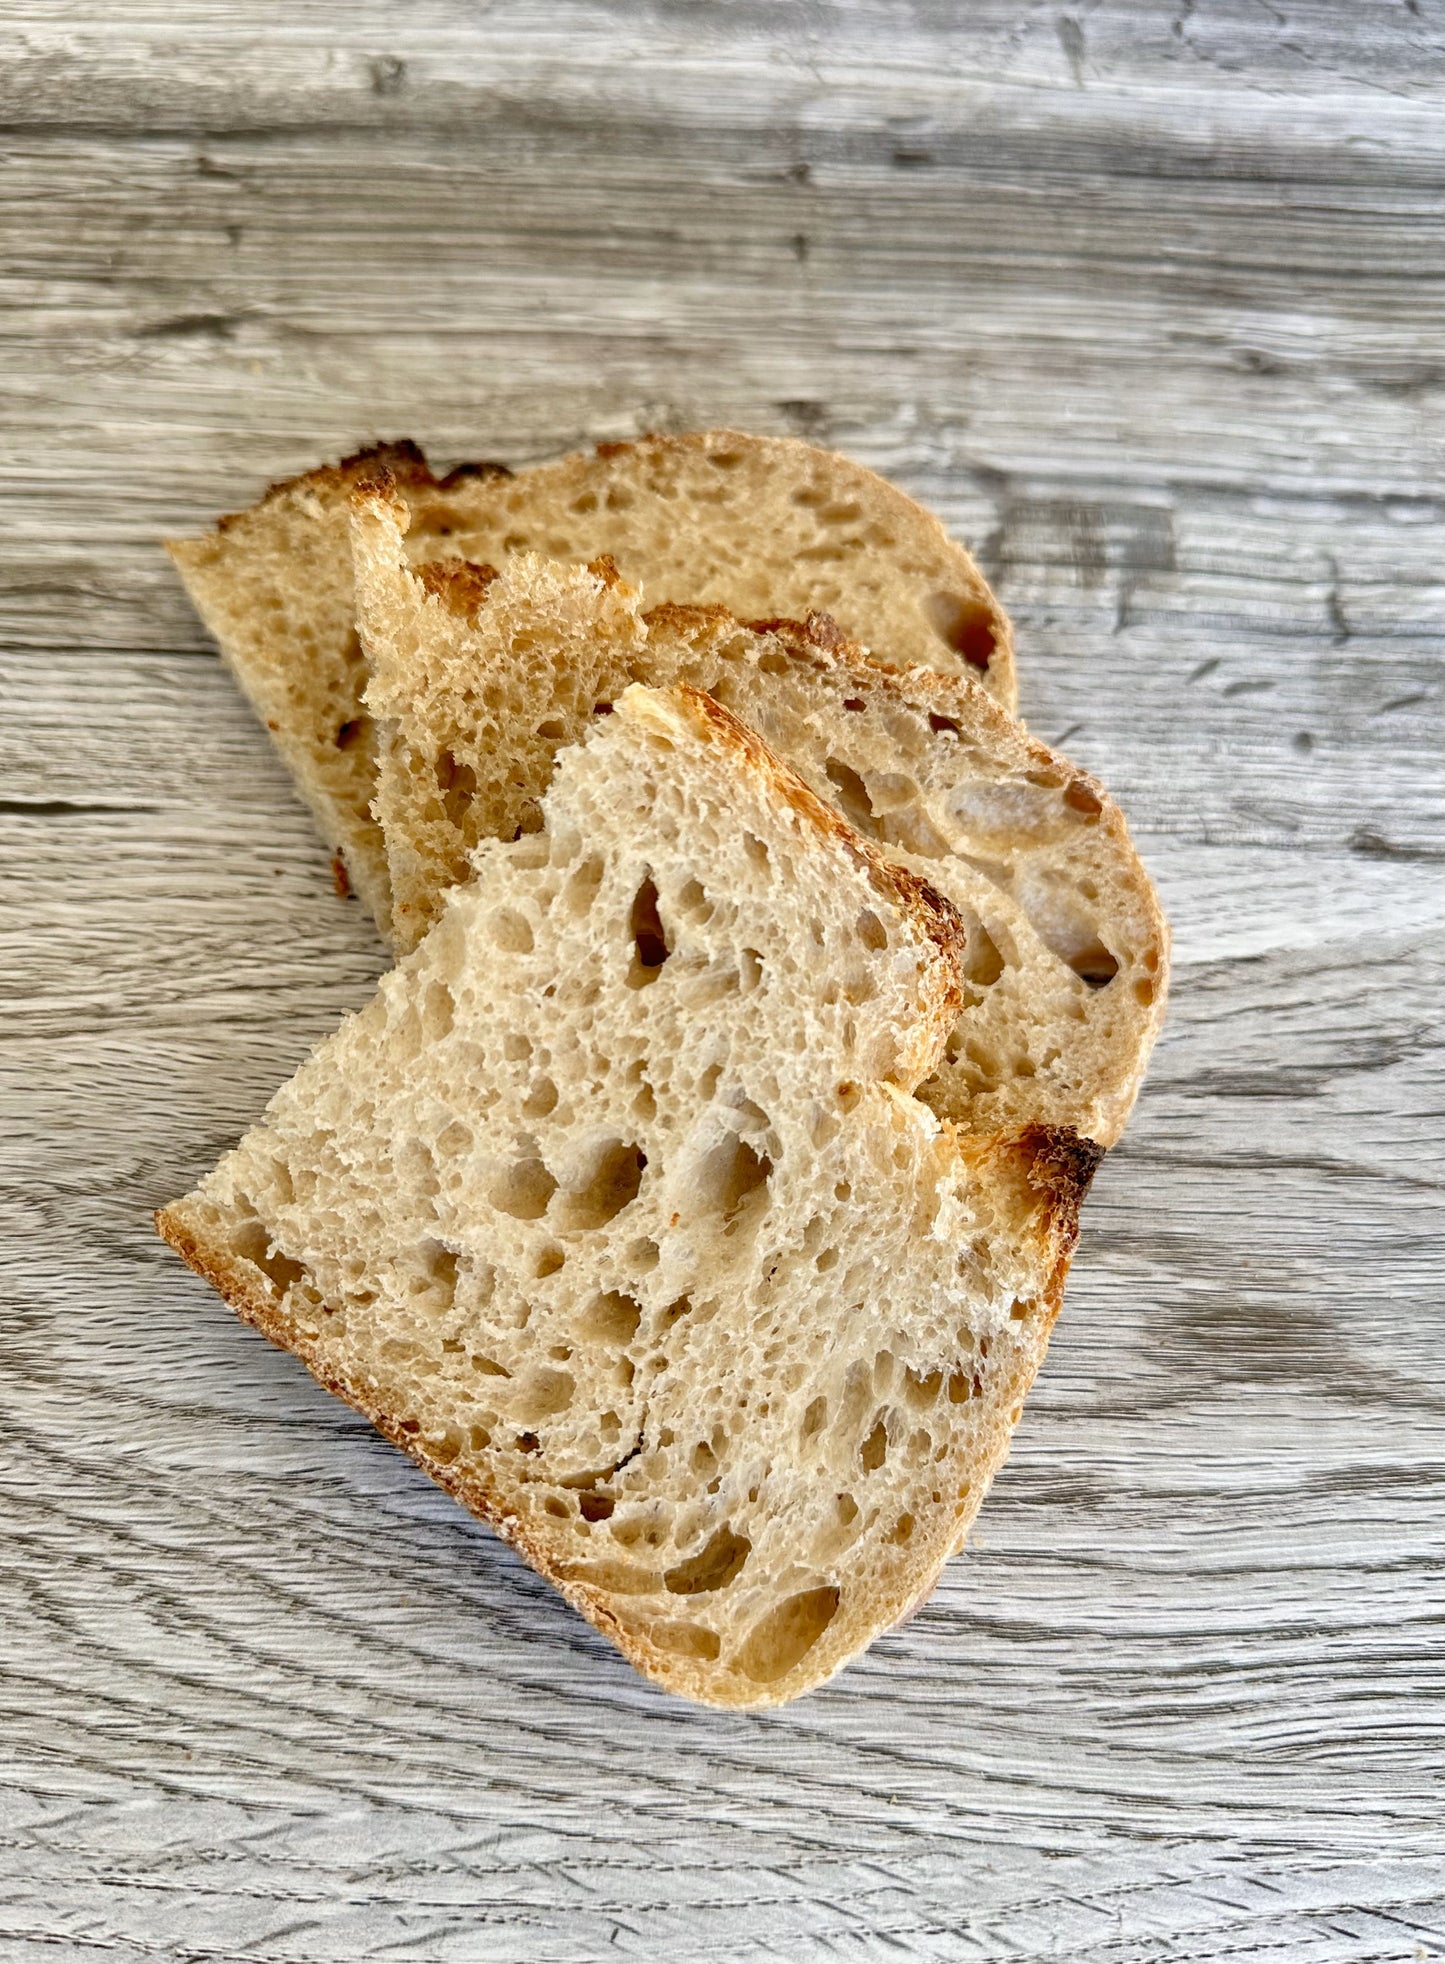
(545, 1394)
(253, 1244)
(612, 1185)
(847, 1509)
(692, 900)
(488, 1367)
(558, 1509)
(875, 1448)
(540, 1100)
(726, 1176)
(852, 795)
(438, 1265)
(524, 1190)
(686, 1640)
(454, 1139)
(714, 1568)
(814, 1419)
(511, 931)
(871, 931)
(780, 1641)
(756, 850)
(675, 1311)
(902, 1530)
(1094, 964)
(938, 724)
(825, 1259)
(528, 1442)
(961, 1387)
(983, 964)
(596, 1506)
(921, 1392)
(650, 947)
(854, 702)
(349, 731)
(553, 730)
(966, 626)
(458, 785)
(582, 884)
(548, 1262)
(437, 1011)
(612, 1318)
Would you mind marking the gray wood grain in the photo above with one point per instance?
(1147, 300)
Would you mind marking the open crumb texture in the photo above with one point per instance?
(1143, 301)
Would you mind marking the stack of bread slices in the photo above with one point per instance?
(694, 1198)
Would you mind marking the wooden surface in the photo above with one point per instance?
(1147, 299)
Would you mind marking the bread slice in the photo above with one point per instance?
(763, 525)
(614, 1208)
(479, 678)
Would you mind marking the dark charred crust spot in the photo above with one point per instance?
(459, 584)
(606, 450)
(1062, 1164)
(604, 568)
(403, 461)
(485, 467)
(340, 878)
(404, 458)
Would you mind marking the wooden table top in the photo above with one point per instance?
(1147, 301)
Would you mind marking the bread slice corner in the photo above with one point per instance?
(616, 1210)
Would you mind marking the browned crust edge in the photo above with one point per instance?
(819, 643)
(254, 1306)
(1059, 1164)
(404, 460)
(982, 594)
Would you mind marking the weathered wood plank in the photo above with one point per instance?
(1147, 301)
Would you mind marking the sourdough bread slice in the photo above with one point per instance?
(614, 1208)
(764, 525)
(479, 678)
